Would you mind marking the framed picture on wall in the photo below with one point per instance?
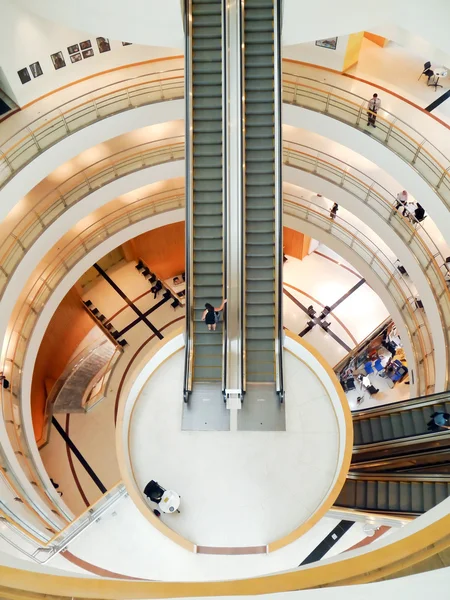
(58, 60)
(103, 45)
(329, 43)
(36, 70)
(24, 76)
(126, 43)
(76, 57)
(88, 53)
(85, 45)
(73, 49)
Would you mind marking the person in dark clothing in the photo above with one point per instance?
(156, 288)
(209, 315)
(4, 381)
(419, 213)
(439, 421)
(333, 211)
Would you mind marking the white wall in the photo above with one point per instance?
(26, 38)
(156, 22)
(316, 55)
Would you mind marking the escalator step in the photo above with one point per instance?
(366, 432)
(408, 423)
(372, 495)
(393, 495)
(405, 502)
(397, 425)
(419, 420)
(382, 495)
(361, 494)
(357, 436)
(441, 491)
(386, 426)
(429, 497)
(375, 426)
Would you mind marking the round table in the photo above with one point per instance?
(438, 73)
(170, 502)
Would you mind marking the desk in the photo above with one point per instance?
(178, 289)
(438, 73)
(170, 502)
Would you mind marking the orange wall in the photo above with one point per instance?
(67, 328)
(353, 49)
(295, 243)
(376, 39)
(162, 249)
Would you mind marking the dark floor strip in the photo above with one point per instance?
(138, 320)
(349, 293)
(338, 339)
(295, 301)
(328, 542)
(439, 101)
(127, 300)
(80, 457)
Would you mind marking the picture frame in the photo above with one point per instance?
(103, 44)
(329, 43)
(85, 45)
(58, 60)
(73, 49)
(36, 69)
(24, 75)
(76, 57)
(88, 53)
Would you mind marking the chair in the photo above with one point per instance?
(379, 367)
(139, 266)
(154, 491)
(175, 303)
(427, 71)
(152, 278)
(368, 368)
(350, 385)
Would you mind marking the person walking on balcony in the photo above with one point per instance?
(333, 211)
(211, 315)
(373, 106)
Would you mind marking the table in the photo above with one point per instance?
(170, 502)
(438, 73)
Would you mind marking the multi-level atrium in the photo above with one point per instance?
(225, 303)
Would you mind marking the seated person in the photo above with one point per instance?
(367, 384)
(419, 213)
(156, 288)
(439, 421)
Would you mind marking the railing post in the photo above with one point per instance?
(358, 118)
(439, 183)
(7, 162)
(34, 139)
(65, 122)
(327, 103)
(129, 99)
(388, 135)
(161, 89)
(419, 148)
(96, 108)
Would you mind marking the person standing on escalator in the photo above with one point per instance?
(439, 421)
(211, 315)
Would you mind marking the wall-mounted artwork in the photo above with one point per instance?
(329, 43)
(24, 76)
(88, 53)
(35, 69)
(76, 57)
(85, 45)
(103, 45)
(73, 49)
(126, 43)
(58, 60)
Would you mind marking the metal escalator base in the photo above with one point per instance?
(206, 410)
(261, 410)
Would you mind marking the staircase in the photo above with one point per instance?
(207, 184)
(259, 153)
(70, 391)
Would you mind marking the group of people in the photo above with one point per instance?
(411, 210)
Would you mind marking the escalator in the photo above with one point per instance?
(262, 185)
(409, 495)
(422, 461)
(204, 188)
(398, 429)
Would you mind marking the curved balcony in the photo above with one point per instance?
(393, 132)
(353, 181)
(84, 242)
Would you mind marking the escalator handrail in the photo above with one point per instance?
(224, 198)
(188, 359)
(278, 103)
(401, 406)
(401, 441)
(354, 475)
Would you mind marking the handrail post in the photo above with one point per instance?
(7, 161)
(65, 122)
(419, 148)
(34, 139)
